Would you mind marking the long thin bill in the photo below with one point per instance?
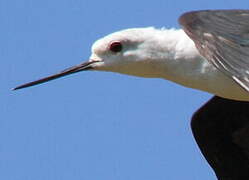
(71, 70)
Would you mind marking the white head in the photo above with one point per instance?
(135, 52)
(132, 51)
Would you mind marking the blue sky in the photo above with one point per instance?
(92, 125)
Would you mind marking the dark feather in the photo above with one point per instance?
(221, 129)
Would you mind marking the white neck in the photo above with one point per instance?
(179, 61)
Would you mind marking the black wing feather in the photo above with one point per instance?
(221, 129)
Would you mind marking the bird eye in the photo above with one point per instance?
(116, 47)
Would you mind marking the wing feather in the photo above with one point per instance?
(221, 130)
(222, 37)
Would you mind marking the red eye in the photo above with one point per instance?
(116, 47)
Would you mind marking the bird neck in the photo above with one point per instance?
(178, 60)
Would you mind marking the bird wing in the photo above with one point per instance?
(222, 37)
(221, 129)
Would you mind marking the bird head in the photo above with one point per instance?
(131, 51)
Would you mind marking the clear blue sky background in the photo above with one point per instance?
(92, 125)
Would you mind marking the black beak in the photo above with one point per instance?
(81, 67)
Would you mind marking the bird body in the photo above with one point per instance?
(211, 54)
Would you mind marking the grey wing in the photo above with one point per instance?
(222, 37)
(221, 130)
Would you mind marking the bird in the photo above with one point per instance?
(209, 53)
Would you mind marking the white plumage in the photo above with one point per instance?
(163, 53)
